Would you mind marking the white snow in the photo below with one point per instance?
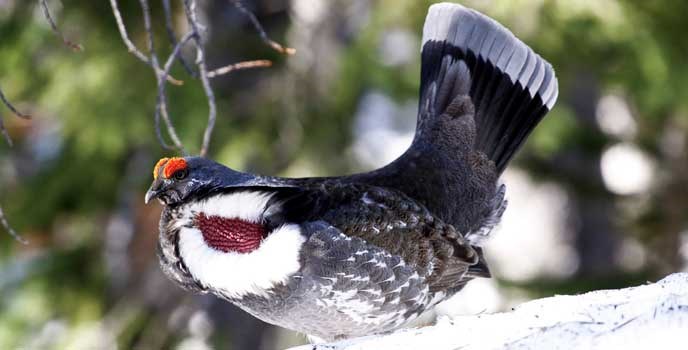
(653, 316)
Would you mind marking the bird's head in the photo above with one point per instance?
(177, 180)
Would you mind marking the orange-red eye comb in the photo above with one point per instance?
(172, 165)
(160, 163)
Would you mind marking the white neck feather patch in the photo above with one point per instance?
(238, 274)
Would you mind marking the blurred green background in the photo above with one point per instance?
(598, 195)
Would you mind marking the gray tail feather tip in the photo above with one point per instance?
(511, 87)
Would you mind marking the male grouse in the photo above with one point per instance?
(340, 257)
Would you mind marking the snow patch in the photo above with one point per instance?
(651, 316)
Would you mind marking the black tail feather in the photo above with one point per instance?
(511, 87)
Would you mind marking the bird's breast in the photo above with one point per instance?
(236, 274)
(223, 245)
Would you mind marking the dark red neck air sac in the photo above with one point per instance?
(230, 235)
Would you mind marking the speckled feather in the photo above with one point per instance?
(345, 288)
(394, 222)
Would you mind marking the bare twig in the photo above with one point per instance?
(173, 38)
(12, 108)
(163, 72)
(3, 131)
(161, 105)
(149, 33)
(46, 12)
(191, 17)
(10, 230)
(237, 66)
(130, 45)
(3, 221)
(177, 48)
(125, 37)
(259, 28)
(162, 98)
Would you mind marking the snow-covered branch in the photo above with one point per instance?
(653, 316)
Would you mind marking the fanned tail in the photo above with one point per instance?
(512, 88)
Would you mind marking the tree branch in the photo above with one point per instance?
(10, 230)
(46, 12)
(161, 104)
(191, 16)
(130, 45)
(4, 133)
(3, 220)
(163, 73)
(238, 66)
(7, 103)
(173, 38)
(259, 28)
(12, 108)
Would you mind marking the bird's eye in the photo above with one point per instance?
(180, 174)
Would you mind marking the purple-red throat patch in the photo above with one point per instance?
(230, 235)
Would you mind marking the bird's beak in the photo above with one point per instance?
(153, 191)
(150, 195)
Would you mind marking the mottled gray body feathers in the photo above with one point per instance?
(374, 260)
(346, 288)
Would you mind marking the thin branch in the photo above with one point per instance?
(10, 230)
(125, 37)
(190, 10)
(259, 28)
(162, 97)
(12, 108)
(163, 73)
(130, 45)
(161, 105)
(149, 33)
(46, 12)
(173, 38)
(238, 66)
(175, 52)
(3, 131)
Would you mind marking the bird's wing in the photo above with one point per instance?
(378, 218)
(482, 92)
(381, 281)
